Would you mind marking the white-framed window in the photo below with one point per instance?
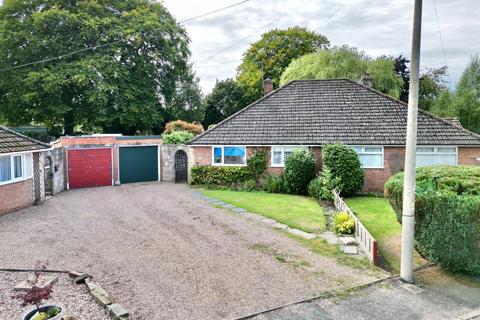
(281, 153)
(371, 157)
(229, 156)
(437, 156)
(15, 168)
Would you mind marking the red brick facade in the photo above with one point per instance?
(374, 178)
(16, 195)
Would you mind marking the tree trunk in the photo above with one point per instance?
(68, 124)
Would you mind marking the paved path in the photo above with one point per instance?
(165, 253)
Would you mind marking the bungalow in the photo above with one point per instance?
(21, 181)
(310, 113)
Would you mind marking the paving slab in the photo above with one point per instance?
(330, 237)
(279, 225)
(301, 233)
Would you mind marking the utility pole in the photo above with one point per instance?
(408, 215)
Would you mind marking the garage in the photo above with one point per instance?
(138, 163)
(89, 167)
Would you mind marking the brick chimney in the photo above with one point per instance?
(367, 80)
(267, 86)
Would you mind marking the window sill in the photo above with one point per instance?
(228, 165)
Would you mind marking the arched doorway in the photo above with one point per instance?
(181, 166)
(48, 180)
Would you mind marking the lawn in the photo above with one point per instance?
(379, 218)
(297, 212)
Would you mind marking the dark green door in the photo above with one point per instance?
(138, 164)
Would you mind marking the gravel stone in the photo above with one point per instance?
(142, 244)
(73, 298)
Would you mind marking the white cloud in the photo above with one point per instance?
(374, 26)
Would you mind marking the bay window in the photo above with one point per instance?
(371, 157)
(436, 156)
(281, 153)
(229, 155)
(15, 168)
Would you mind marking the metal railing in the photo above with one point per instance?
(364, 238)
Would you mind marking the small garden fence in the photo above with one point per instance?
(364, 238)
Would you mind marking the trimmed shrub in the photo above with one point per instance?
(226, 176)
(177, 137)
(194, 128)
(250, 185)
(321, 187)
(447, 215)
(343, 223)
(299, 171)
(343, 163)
(274, 184)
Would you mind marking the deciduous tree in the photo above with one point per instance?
(130, 86)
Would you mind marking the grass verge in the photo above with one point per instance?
(379, 218)
(297, 212)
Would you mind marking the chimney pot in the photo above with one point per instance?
(367, 80)
(267, 86)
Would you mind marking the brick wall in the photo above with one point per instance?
(468, 156)
(16, 195)
(393, 162)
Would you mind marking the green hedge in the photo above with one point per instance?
(222, 176)
(344, 165)
(299, 171)
(447, 215)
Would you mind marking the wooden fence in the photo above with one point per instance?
(364, 238)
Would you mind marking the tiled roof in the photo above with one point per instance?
(315, 112)
(11, 141)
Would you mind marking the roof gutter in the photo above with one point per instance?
(26, 151)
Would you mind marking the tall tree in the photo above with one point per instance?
(131, 86)
(346, 62)
(464, 102)
(431, 83)
(226, 98)
(271, 55)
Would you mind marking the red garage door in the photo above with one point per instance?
(89, 168)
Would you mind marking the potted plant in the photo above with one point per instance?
(36, 294)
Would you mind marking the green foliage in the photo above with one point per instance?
(238, 178)
(271, 55)
(344, 166)
(226, 98)
(257, 164)
(343, 223)
(321, 187)
(464, 102)
(275, 184)
(250, 185)
(40, 316)
(211, 175)
(179, 125)
(299, 171)
(447, 215)
(346, 62)
(177, 137)
(52, 312)
(129, 87)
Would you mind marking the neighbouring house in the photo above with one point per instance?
(310, 113)
(22, 173)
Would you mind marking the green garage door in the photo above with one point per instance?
(138, 164)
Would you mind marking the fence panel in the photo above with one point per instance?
(365, 239)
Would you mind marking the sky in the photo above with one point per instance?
(374, 26)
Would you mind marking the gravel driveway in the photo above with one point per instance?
(164, 253)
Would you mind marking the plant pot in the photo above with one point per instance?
(29, 314)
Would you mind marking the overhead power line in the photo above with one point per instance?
(214, 11)
(440, 33)
(114, 42)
